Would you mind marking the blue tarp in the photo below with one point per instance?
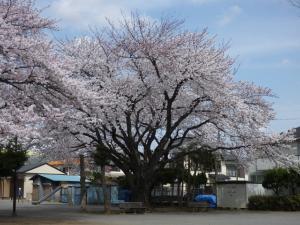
(211, 199)
(92, 196)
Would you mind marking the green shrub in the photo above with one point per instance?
(276, 179)
(283, 203)
(281, 180)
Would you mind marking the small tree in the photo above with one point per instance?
(276, 179)
(203, 160)
(198, 159)
(12, 157)
(198, 179)
(293, 180)
(101, 159)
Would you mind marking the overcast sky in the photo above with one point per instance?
(264, 36)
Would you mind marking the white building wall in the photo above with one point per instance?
(261, 164)
(27, 192)
(223, 168)
(257, 189)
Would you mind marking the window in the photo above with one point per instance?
(231, 170)
(241, 172)
(257, 178)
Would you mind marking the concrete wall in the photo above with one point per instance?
(235, 195)
(231, 195)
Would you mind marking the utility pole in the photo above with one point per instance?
(82, 183)
(14, 192)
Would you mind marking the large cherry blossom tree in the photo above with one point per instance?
(141, 89)
(27, 68)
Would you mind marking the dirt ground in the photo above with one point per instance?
(35, 221)
(55, 214)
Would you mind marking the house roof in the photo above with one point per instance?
(32, 166)
(28, 167)
(59, 178)
(64, 162)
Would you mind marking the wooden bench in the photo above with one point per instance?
(203, 206)
(132, 207)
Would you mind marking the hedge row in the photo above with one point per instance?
(280, 203)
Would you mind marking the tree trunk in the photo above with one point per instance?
(141, 194)
(82, 184)
(181, 194)
(178, 193)
(172, 190)
(180, 203)
(189, 193)
(141, 190)
(14, 193)
(106, 192)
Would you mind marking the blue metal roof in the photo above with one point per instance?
(61, 178)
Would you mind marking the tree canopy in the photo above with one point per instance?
(12, 157)
(27, 68)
